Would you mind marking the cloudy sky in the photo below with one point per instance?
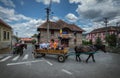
(24, 16)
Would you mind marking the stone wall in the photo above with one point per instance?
(56, 34)
(78, 40)
(44, 35)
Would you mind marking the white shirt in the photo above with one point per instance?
(43, 45)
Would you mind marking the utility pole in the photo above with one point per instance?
(17, 36)
(106, 31)
(38, 37)
(106, 22)
(48, 9)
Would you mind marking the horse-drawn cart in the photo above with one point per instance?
(60, 53)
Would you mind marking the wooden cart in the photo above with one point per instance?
(60, 53)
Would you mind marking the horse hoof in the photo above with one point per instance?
(94, 61)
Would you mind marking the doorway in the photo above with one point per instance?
(65, 41)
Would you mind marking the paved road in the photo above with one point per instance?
(13, 66)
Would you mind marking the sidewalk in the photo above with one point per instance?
(4, 52)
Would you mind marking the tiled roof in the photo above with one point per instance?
(60, 24)
(4, 24)
(26, 39)
(103, 29)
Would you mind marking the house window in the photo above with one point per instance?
(75, 34)
(4, 35)
(65, 32)
(8, 35)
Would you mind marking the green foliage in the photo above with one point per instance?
(90, 42)
(84, 42)
(35, 35)
(98, 41)
(33, 41)
(111, 40)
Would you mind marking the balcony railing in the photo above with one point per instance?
(66, 35)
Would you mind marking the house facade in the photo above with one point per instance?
(101, 33)
(5, 35)
(68, 34)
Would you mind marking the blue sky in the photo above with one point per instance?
(24, 16)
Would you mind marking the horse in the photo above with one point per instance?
(18, 49)
(90, 50)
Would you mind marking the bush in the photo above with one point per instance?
(84, 42)
(33, 41)
(98, 41)
(111, 40)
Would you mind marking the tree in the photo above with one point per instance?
(33, 41)
(35, 35)
(98, 41)
(90, 42)
(84, 42)
(111, 40)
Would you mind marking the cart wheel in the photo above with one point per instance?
(61, 58)
(43, 54)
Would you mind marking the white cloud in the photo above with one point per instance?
(10, 15)
(74, 1)
(91, 26)
(8, 3)
(25, 26)
(54, 18)
(46, 2)
(96, 10)
(29, 34)
(114, 21)
(71, 17)
(22, 3)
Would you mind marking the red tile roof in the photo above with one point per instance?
(103, 29)
(4, 24)
(60, 24)
(26, 39)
